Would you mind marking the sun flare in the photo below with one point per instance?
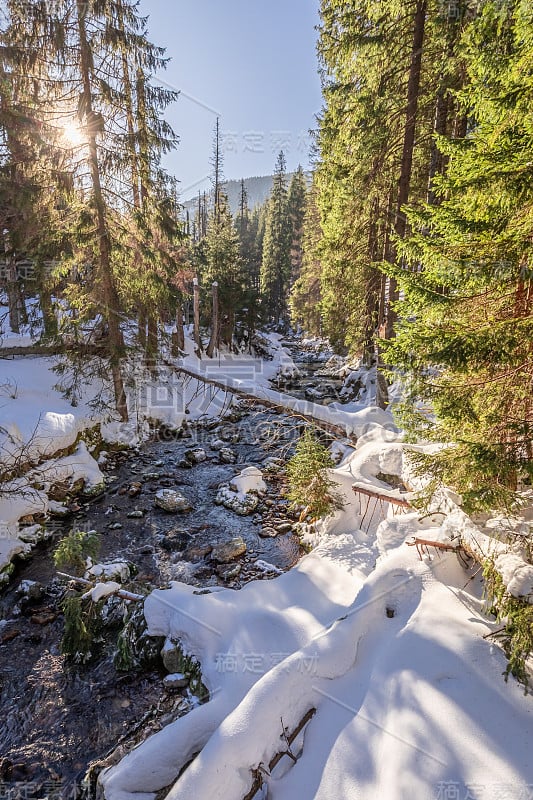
(72, 134)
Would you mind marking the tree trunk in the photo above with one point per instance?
(152, 342)
(178, 337)
(404, 183)
(128, 101)
(196, 311)
(436, 159)
(373, 284)
(141, 327)
(13, 298)
(49, 317)
(109, 294)
(215, 325)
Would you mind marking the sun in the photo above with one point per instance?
(72, 134)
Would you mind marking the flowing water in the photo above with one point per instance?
(56, 718)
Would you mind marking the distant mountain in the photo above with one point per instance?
(258, 189)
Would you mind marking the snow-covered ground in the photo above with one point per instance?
(387, 647)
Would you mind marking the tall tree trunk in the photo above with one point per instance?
(406, 167)
(196, 319)
(215, 325)
(373, 285)
(128, 103)
(49, 317)
(436, 158)
(151, 311)
(109, 294)
(13, 296)
(178, 336)
(141, 327)
(152, 342)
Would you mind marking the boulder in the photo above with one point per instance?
(175, 681)
(171, 501)
(229, 551)
(196, 455)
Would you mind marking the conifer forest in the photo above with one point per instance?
(266, 440)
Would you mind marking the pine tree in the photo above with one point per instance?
(223, 266)
(296, 204)
(247, 226)
(387, 70)
(35, 180)
(111, 207)
(465, 330)
(309, 482)
(276, 262)
(305, 299)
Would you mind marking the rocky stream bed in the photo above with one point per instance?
(58, 718)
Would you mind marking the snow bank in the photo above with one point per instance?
(78, 466)
(409, 695)
(388, 648)
(237, 636)
(19, 499)
(35, 421)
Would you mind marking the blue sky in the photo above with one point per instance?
(251, 61)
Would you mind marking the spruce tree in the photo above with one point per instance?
(465, 329)
(387, 70)
(276, 261)
(247, 226)
(305, 298)
(309, 483)
(296, 203)
(112, 211)
(223, 266)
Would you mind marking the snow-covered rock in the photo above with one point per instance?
(242, 504)
(249, 479)
(109, 571)
(243, 492)
(172, 501)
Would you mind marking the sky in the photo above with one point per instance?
(252, 63)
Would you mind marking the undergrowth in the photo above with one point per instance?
(516, 615)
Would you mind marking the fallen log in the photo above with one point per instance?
(387, 498)
(125, 595)
(423, 545)
(53, 350)
(336, 430)
(258, 773)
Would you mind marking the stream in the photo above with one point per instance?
(57, 717)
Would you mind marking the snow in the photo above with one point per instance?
(102, 590)
(35, 420)
(404, 704)
(517, 575)
(19, 499)
(79, 465)
(248, 480)
(386, 646)
(109, 570)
